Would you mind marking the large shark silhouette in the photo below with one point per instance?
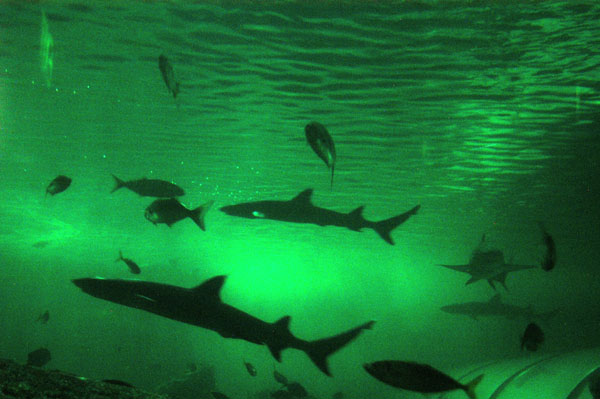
(494, 307)
(301, 210)
(202, 306)
(488, 265)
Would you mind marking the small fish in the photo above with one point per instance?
(550, 257)
(296, 390)
(219, 395)
(133, 267)
(322, 144)
(532, 338)
(118, 382)
(44, 317)
(280, 378)
(170, 211)
(149, 187)
(168, 74)
(417, 377)
(41, 244)
(38, 357)
(251, 369)
(58, 185)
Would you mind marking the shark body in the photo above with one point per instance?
(301, 210)
(202, 306)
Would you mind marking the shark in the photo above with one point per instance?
(301, 210)
(488, 265)
(202, 306)
(494, 307)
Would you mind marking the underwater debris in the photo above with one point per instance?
(251, 369)
(549, 260)
(44, 317)
(322, 144)
(46, 51)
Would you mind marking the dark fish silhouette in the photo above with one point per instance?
(532, 338)
(297, 390)
(251, 369)
(418, 377)
(58, 185)
(550, 257)
(170, 211)
(301, 210)
(41, 244)
(149, 187)
(280, 378)
(38, 357)
(322, 144)
(44, 317)
(168, 74)
(118, 382)
(133, 267)
(202, 306)
(219, 395)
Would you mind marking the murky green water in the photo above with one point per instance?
(486, 114)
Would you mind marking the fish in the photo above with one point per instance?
(41, 244)
(202, 306)
(58, 185)
(39, 357)
(251, 369)
(301, 210)
(170, 211)
(550, 257)
(493, 307)
(488, 264)
(322, 144)
(133, 267)
(417, 377)
(168, 74)
(118, 382)
(532, 338)
(219, 395)
(280, 378)
(44, 317)
(297, 390)
(149, 187)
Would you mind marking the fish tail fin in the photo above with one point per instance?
(319, 350)
(199, 213)
(385, 227)
(470, 386)
(118, 184)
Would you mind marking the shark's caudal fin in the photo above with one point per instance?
(321, 349)
(470, 386)
(197, 215)
(385, 227)
(118, 184)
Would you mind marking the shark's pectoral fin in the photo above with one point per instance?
(281, 328)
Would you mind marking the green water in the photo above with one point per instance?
(487, 114)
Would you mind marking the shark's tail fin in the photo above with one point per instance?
(321, 349)
(118, 184)
(470, 386)
(385, 227)
(198, 214)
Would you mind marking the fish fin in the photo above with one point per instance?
(356, 218)
(211, 287)
(118, 183)
(199, 213)
(282, 328)
(120, 256)
(304, 196)
(491, 283)
(385, 227)
(470, 386)
(319, 350)
(458, 268)
(471, 280)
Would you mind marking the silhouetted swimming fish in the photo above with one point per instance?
(297, 390)
(417, 377)
(532, 338)
(133, 267)
(251, 369)
(170, 211)
(322, 144)
(149, 187)
(58, 185)
(280, 378)
(550, 257)
(38, 357)
(168, 74)
(44, 317)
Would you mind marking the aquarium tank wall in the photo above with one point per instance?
(328, 199)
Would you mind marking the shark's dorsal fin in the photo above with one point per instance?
(304, 197)
(495, 299)
(357, 212)
(281, 328)
(211, 287)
